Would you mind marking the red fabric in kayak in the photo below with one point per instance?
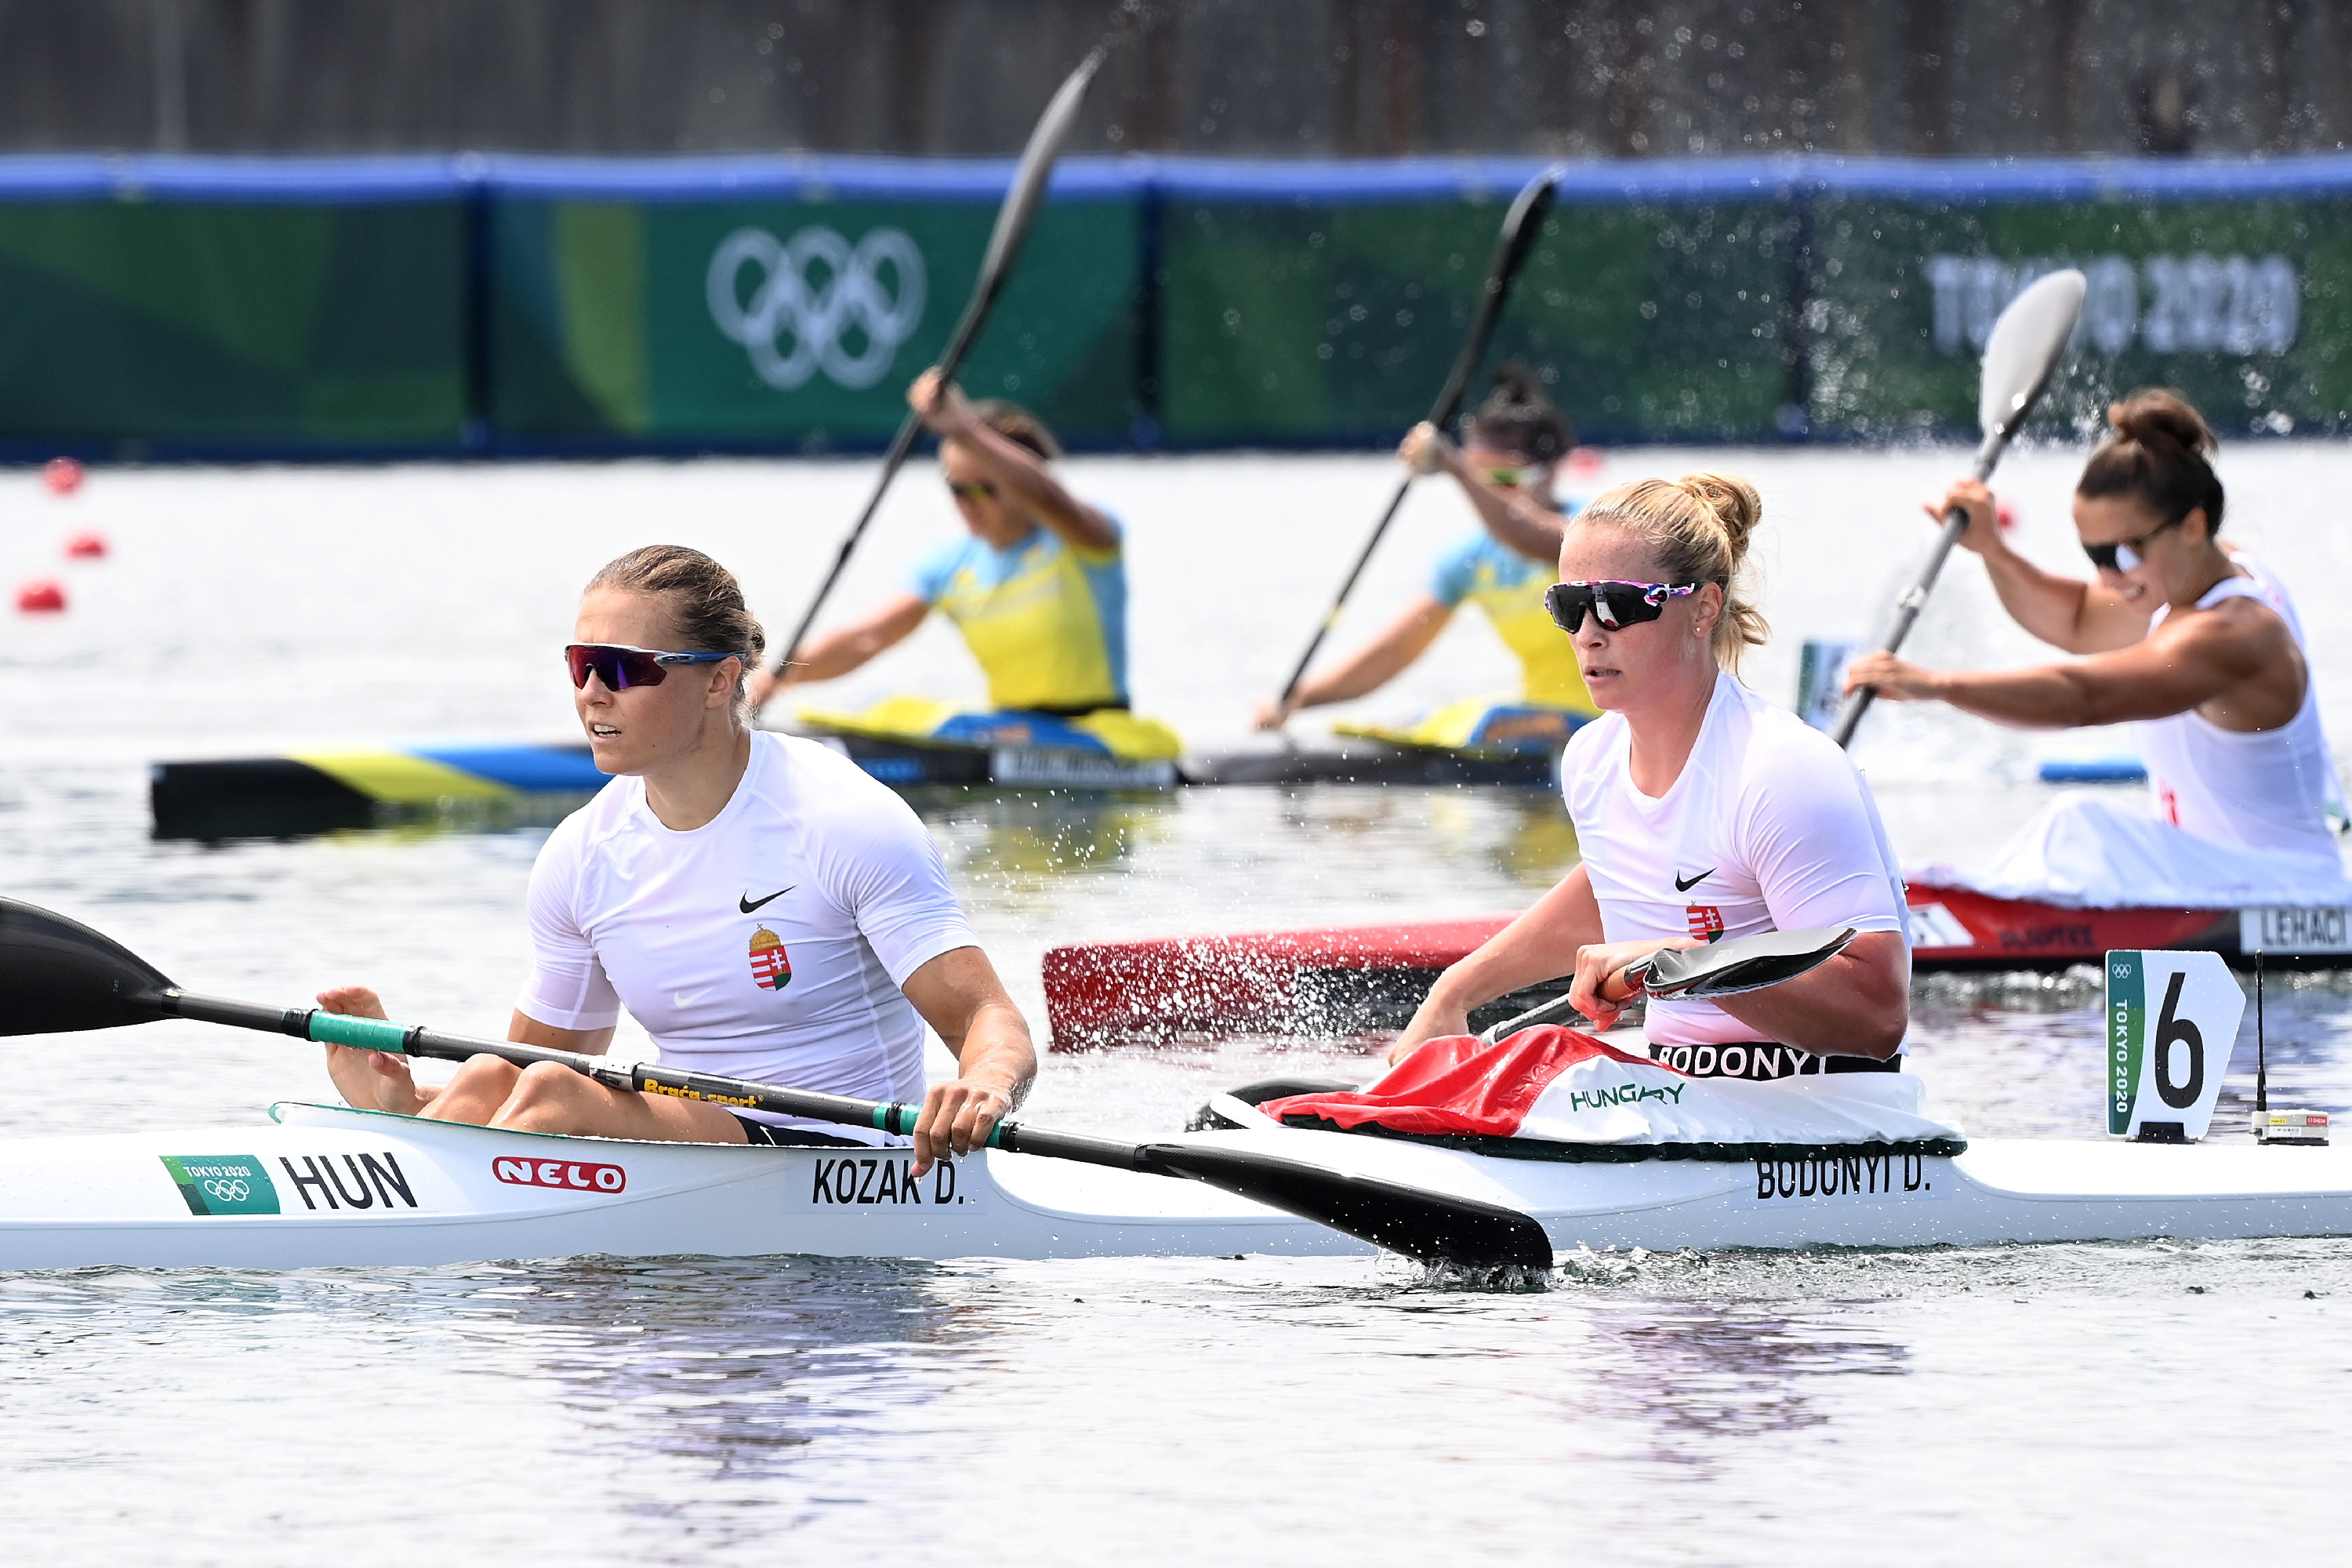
(1457, 1085)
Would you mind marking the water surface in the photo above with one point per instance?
(2154, 1401)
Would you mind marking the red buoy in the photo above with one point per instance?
(40, 595)
(62, 475)
(88, 545)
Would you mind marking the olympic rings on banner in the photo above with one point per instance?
(232, 1190)
(817, 316)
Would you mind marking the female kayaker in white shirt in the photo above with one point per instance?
(2196, 644)
(763, 908)
(1700, 810)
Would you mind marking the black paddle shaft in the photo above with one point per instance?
(1521, 227)
(1428, 1226)
(1013, 221)
(59, 975)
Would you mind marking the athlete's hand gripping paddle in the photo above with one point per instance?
(1702, 974)
(1521, 227)
(1012, 220)
(58, 976)
(2018, 361)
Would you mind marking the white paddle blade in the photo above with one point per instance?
(1037, 165)
(2024, 349)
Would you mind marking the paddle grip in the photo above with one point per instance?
(1015, 1138)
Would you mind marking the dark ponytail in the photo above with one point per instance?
(1518, 418)
(2161, 454)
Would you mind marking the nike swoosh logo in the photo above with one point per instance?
(748, 903)
(1684, 887)
(687, 998)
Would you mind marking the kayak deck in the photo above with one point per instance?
(328, 1186)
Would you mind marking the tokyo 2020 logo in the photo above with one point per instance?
(817, 302)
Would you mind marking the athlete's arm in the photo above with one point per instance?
(1368, 669)
(1520, 522)
(380, 1080)
(2240, 655)
(838, 653)
(2067, 613)
(959, 994)
(1856, 1004)
(1014, 468)
(1541, 944)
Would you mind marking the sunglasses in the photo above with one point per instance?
(1615, 604)
(2124, 555)
(979, 490)
(621, 668)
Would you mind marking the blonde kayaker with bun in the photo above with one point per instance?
(1505, 466)
(1701, 810)
(2195, 644)
(763, 908)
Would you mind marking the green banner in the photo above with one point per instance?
(802, 322)
(1320, 322)
(2244, 305)
(300, 306)
(273, 325)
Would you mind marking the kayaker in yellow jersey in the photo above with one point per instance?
(1515, 440)
(1038, 589)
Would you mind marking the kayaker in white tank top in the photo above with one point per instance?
(1700, 811)
(2270, 789)
(2196, 646)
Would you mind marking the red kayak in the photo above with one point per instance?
(1356, 979)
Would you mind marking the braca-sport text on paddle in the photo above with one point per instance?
(58, 976)
(2018, 361)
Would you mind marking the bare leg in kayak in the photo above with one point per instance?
(543, 1097)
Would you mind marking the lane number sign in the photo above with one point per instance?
(2171, 1019)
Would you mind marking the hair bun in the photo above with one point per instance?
(2158, 417)
(1517, 416)
(1516, 383)
(1732, 500)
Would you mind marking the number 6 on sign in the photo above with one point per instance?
(2172, 1020)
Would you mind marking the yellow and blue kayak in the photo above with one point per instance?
(905, 740)
(1472, 741)
(320, 789)
(1479, 725)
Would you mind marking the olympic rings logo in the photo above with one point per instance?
(231, 1189)
(818, 292)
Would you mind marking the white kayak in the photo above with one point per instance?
(329, 1187)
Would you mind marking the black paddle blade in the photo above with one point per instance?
(1746, 964)
(58, 976)
(1426, 1227)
